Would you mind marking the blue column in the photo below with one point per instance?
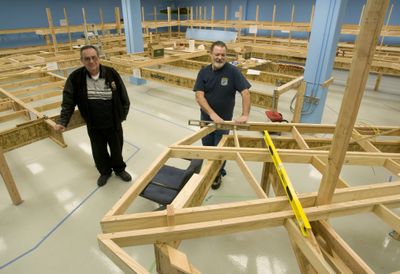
(321, 55)
(131, 12)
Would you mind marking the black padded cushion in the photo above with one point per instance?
(168, 181)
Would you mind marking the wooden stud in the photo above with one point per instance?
(366, 42)
(9, 180)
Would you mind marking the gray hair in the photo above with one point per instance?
(90, 47)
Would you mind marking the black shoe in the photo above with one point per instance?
(103, 179)
(217, 182)
(125, 176)
(223, 172)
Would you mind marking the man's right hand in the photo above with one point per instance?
(59, 127)
(215, 118)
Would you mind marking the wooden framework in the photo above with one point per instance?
(186, 218)
(25, 98)
(283, 76)
(324, 251)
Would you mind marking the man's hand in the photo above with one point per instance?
(59, 127)
(215, 118)
(242, 119)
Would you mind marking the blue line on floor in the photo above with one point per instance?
(134, 153)
(49, 233)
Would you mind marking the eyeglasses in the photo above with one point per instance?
(88, 59)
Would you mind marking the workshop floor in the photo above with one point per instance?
(54, 230)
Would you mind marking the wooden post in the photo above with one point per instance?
(377, 81)
(146, 30)
(291, 25)
(155, 16)
(225, 16)
(311, 21)
(68, 30)
(265, 181)
(117, 20)
(299, 102)
(179, 22)
(212, 17)
(53, 32)
(191, 17)
(200, 16)
(273, 22)
(85, 29)
(205, 16)
(8, 180)
(101, 21)
(364, 51)
(387, 23)
(257, 17)
(169, 21)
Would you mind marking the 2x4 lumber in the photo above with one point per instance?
(125, 201)
(365, 47)
(9, 180)
(218, 226)
(25, 134)
(122, 259)
(53, 33)
(287, 155)
(310, 251)
(254, 184)
(209, 171)
(48, 106)
(42, 96)
(298, 108)
(332, 258)
(179, 260)
(392, 166)
(315, 161)
(29, 90)
(185, 196)
(13, 115)
(341, 248)
(319, 128)
(20, 103)
(268, 168)
(240, 209)
(27, 82)
(293, 84)
(304, 266)
(195, 136)
(68, 29)
(388, 216)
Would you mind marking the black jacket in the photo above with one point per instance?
(75, 94)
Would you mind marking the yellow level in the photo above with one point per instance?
(301, 217)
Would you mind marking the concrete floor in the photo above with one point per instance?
(54, 230)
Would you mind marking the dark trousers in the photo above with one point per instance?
(100, 140)
(213, 139)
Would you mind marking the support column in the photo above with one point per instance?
(131, 12)
(325, 32)
(132, 25)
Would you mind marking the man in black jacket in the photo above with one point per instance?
(103, 102)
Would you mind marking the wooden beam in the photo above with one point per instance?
(312, 253)
(121, 258)
(220, 225)
(342, 249)
(9, 180)
(344, 197)
(365, 47)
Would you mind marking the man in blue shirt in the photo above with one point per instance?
(215, 88)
